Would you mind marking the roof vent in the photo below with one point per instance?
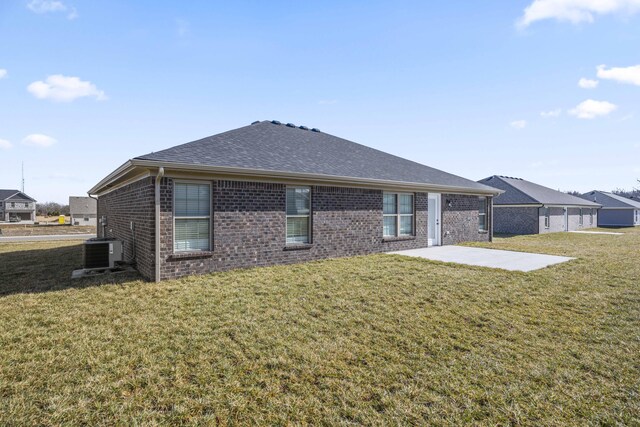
(275, 122)
(315, 130)
(290, 125)
(257, 121)
(303, 127)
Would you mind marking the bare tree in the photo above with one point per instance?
(52, 209)
(633, 193)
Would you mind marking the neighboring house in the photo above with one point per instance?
(83, 210)
(528, 208)
(271, 193)
(16, 206)
(616, 211)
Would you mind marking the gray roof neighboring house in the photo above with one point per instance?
(82, 205)
(518, 191)
(14, 194)
(272, 149)
(610, 200)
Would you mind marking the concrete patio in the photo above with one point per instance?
(492, 258)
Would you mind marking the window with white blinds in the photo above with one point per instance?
(483, 218)
(192, 217)
(397, 214)
(298, 215)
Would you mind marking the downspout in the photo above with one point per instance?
(491, 219)
(96, 199)
(158, 179)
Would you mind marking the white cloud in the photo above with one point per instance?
(4, 144)
(574, 11)
(518, 124)
(630, 75)
(47, 6)
(3, 73)
(591, 109)
(587, 83)
(64, 89)
(38, 140)
(552, 113)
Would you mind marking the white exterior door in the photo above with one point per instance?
(433, 215)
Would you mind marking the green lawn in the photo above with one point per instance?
(366, 340)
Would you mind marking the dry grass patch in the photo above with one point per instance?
(9, 230)
(366, 340)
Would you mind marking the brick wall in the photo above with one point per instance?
(531, 220)
(249, 225)
(460, 220)
(515, 220)
(132, 203)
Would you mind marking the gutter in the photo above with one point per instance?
(121, 170)
(261, 173)
(541, 205)
(158, 179)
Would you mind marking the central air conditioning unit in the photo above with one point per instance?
(102, 253)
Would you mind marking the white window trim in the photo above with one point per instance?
(581, 223)
(547, 218)
(309, 215)
(210, 217)
(398, 215)
(485, 223)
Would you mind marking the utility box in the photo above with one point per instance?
(102, 253)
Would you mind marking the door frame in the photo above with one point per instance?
(437, 197)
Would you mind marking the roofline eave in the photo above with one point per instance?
(545, 205)
(262, 173)
(112, 177)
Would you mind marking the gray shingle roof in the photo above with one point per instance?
(610, 200)
(5, 194)
(283, 148)
(517, 191)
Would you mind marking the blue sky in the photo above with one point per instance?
(460, 86)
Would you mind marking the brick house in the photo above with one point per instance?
(616, 211)
(16, 206)
(272, 193)
(528, 208)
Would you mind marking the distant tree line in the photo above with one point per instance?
(51, 209)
